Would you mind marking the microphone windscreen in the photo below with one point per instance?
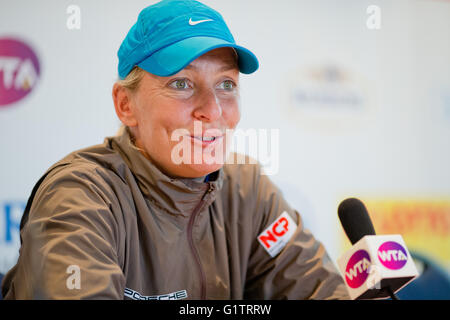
(355, 219)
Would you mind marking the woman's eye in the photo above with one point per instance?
(227, 85)
(179, 84)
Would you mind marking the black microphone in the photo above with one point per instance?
(368, 267)
(355, 219)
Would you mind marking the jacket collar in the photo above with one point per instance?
(173, 195)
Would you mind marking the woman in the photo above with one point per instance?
(126, 219)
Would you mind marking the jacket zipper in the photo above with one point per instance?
(194, 213)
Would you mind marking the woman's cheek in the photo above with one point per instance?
(232, 115)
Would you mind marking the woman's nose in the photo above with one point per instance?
(208, 107)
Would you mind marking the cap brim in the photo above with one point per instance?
(172, 59)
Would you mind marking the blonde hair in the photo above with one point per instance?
(133, 79)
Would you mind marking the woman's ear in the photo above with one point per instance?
(124, 105)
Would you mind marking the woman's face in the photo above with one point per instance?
(180, 121)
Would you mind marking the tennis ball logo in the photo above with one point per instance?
(392, 255)
(19, 70)
(357, 269)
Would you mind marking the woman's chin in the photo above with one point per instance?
(199, 170)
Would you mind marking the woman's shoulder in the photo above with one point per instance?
(98, 163)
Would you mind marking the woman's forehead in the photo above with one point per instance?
(225, 56)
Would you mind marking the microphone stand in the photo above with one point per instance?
(391, 293)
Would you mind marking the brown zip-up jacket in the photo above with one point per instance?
(105, 223)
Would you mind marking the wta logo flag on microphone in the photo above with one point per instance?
(374, 263)
(357, 269)
(392, 255)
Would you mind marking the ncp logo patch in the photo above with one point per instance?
(278, 234)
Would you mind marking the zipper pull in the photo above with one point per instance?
(210, 189)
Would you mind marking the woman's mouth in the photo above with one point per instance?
(206, 140)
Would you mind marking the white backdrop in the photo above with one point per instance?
(360, 112)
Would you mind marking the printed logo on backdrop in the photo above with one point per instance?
(10, 214)
(19, 70)
(327, 97)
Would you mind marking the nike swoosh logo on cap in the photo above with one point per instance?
(193, 23)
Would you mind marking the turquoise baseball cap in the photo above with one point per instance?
(170, 34)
